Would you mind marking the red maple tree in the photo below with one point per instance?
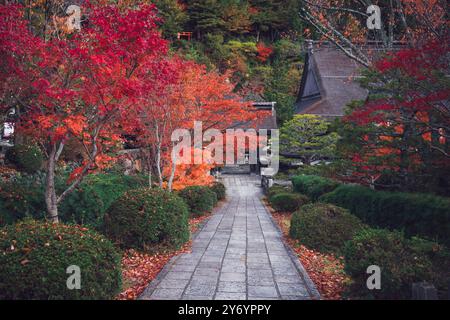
(407, 128)
(80, 86)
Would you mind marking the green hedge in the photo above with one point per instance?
(219, 189)
(148, 219)
(324, 227)
(416, 214)
(287, 202)
(400, 264)
(200, 199)
(313, 186)
(34, 257)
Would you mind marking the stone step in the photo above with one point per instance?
(236, 169)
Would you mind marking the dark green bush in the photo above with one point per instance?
(26, 157)
(148, 219)
(287, 202)
(24, 197)
(93, 197)
(313, 186)
(275, 189)
(219, 189)
(199, 199)
(439, 256)
(416, 214)
(34, 257)
(400, 265)
(324, 227)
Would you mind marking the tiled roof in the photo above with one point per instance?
(266, 117)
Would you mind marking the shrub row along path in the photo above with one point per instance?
(239, 254)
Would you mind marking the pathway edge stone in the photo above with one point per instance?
(312, 289)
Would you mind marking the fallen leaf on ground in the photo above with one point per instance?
(325, 270)
(139, 268)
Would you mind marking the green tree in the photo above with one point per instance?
(272, 17)
(205, 16)
(263, 16)
(307, 136)
(236, 16)
(282, 87)
(173, 15)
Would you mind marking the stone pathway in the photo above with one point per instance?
(238, 255)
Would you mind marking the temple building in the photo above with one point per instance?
(329, 82)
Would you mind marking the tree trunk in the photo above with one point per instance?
(404, 159)
(158, 155)
(158, 165)
(149, 167)
(172, 173)
(50, 191)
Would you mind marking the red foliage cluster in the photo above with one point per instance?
(417, 63)
(325, 270)
(417, 66)
(264, 52)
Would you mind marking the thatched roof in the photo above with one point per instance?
(329, 83)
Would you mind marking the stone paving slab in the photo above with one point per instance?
(239, 254)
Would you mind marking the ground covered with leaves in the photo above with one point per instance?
(325, 270)
(139, 269)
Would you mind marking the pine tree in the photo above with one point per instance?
(173, 15)
(236, 16)
(205, 16)
(271, 17)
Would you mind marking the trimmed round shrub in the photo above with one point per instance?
(219, 189)
(288, 202)
(200, 199)
(28, 158)
(400, 265)
(148, 219)
(92, 198)
(276, 189)
(324, 227)
(34, 257)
